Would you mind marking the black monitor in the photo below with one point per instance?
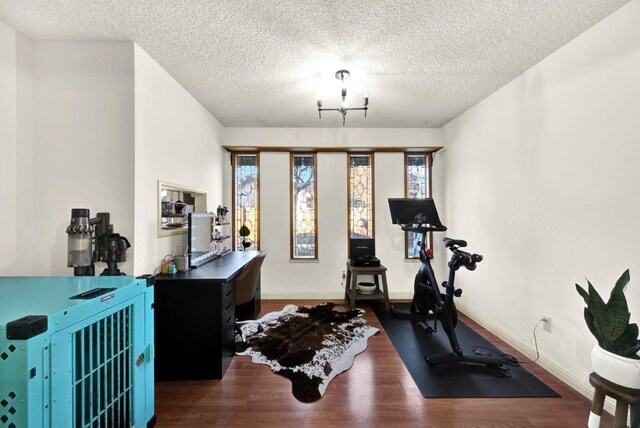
(415, 211)
(362, 248)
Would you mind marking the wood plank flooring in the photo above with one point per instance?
(376, 392)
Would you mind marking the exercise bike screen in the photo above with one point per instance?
(404, 211)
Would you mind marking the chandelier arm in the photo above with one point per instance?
(342, 75)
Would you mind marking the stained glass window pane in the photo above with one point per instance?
(246, 201)
(360, 196)
(304, 207)
(417, 175)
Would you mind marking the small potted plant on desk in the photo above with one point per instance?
(615, 356)
(244, 232)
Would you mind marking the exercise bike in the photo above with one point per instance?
(428, 303)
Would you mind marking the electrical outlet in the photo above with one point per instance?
(546, 323)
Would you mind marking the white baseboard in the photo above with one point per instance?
(580, 386)
(323, 295)
(302, 296)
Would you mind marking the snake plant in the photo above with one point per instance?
(609, 322)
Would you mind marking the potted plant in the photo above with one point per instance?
(615, 357)
(244, 232)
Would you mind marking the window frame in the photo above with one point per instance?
(292, 156)
(372, 196)
(234, 228)
(428, 164)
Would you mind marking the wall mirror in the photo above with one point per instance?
(175, 202)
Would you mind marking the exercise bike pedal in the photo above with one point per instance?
(458, 292)
(428, 329)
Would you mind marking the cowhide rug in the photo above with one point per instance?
(308, 345)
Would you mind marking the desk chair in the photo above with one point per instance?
(246, 284)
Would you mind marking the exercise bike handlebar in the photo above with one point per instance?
(422, 224)
(462, 258)
(419, 228)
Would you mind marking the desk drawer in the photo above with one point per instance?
(228, 303)
(228, 295)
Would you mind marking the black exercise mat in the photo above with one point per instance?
(454, 380)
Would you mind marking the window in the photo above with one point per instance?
(246, 186)
(304, 208)
(417, 185)
(361, 196)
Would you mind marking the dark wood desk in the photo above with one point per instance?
(194, 319)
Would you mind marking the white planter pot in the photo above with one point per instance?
(619, 370)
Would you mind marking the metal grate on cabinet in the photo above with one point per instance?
(102, 378)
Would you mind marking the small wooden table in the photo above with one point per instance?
(625, 398)
(351, 293)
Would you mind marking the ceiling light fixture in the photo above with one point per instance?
(342, 75)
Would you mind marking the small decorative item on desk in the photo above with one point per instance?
(221, 213)
(181, 259)
(167, 265)
(244, 232)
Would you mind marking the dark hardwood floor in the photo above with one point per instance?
(376, 391)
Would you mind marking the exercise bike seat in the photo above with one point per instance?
(448, 242)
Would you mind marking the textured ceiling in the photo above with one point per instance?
(264, 63)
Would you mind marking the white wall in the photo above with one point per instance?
(284, 278)
(83, 143)
(390, 239)
(542, 178)
(16, 147)
(8, 141)
(176, 140)
(68, 140)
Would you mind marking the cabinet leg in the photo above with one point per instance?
(352, 290)
(347, 286)
(385, 290)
